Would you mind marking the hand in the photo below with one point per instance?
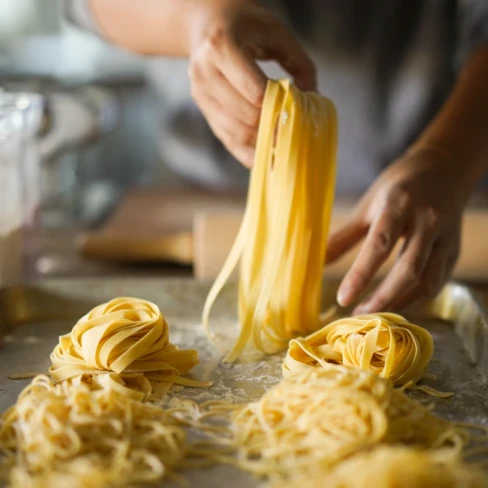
(226, 82)
(420, 199)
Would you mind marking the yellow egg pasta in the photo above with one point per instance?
(124, 343)
(86, 436)
(315, 419)
(385, 344)
(393, 467)
(282, 240)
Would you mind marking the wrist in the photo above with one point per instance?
(162, 28)
(206, 21)
(465, 173)
(457, 134)
(212, 18)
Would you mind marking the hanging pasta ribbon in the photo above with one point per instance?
(282, 239)
(124, 343)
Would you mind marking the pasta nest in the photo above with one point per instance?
(385, 344)
(128, 338)
(388, 466)
(313, 420)
(71, 434)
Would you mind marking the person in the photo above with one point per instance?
(409, 79)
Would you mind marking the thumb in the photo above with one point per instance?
(344, 239)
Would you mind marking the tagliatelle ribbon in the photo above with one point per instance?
(128, 340)
(385, 343)
(283, 236)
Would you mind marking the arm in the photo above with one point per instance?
(460, 130)
(420, 198)
(153, 27)
(223, 39)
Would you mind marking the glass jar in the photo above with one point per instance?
(11, 205)
(20, 118)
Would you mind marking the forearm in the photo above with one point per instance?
(153, 27)
(460, 129)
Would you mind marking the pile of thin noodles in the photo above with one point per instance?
(86, 436)
(78, 473)
(393, 467)
(385, 343)
(312, 420)
(124, 342)
(89, 425)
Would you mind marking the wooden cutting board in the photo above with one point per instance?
(195, 227)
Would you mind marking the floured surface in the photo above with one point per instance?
(27, 349)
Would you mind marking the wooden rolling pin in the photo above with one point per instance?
(154, 225)
(190, 227)
(176, 247)
(214, 234)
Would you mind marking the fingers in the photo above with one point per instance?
(238, 138)
(229, 98)
(229, 88)
(431, 282)
(382, 237)
(243, 73)
(243, 154)
(232, 128)
(294, 59)
(224, 72)
(437, 272)
(344, 239)
(407, 273)
(226, 124)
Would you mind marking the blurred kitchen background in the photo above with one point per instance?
(100, 196)
(101, 148)
(98, 137)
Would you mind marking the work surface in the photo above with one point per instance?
(31, 319)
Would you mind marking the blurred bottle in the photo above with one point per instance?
(11, 208)
(20, 118)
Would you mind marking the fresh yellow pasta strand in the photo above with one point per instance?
(247, 229)
(387, 467)
(282, 240)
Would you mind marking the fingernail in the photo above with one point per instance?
(365, 308)
(361, 310)
(344, 296)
